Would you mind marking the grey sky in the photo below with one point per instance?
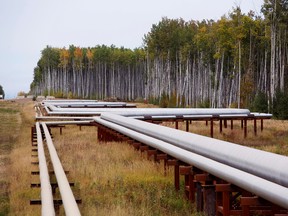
(27, 26)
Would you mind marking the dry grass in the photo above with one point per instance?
(9, 128)
(112, 178)
(274, 137)
(16, 120)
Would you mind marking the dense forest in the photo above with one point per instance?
(240, 60)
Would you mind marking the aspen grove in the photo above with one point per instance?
(224, 63)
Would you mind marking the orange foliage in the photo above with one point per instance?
(64, 57)
(78, 53)
(89, 54)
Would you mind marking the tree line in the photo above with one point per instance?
(231, 62)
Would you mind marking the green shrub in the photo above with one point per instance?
(164, 100)
(260, 103)
(280, 104)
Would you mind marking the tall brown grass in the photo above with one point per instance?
(9, 127)
(20, 170)
(113, 178)
(273, 138)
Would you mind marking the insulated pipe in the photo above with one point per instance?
(149, 111)
(83, 103)
(69, 203)
(266, 165)
(67, 122)
(261, 187)
(62, 118)
(68, 101)
(47, 207)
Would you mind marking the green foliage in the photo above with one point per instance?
(280, 104)
(2, 91)
(204, 104)
(153, 100)
(260, 103)
(164, 100)
(175, 50)
(46, 92)
(50, 57)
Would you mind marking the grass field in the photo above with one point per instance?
(111, 178)
(9, 128)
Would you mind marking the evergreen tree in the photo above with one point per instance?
(2, 92)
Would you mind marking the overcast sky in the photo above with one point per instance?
(28, 26)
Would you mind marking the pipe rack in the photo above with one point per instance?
(273, 192)
(263, 164)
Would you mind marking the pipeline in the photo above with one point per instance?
(68, 199)
(46, 190)
(266, 165)
(268, 190)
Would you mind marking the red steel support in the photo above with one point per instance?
(225, 123)
(255, 126)
(175, 163)
(220, 125)
(211, 127)
(189, 182)
(245, 128)
(187, 125)
(261, 124)
(223, 199)
(209, 198)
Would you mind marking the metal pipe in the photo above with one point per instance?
(147, 111)
(69, 101)
(263, 188)
(62, 118)
(266, 165)
(69, 203)
(82, 103)
(47, 207)
(67, 122)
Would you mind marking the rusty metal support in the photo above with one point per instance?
(223, 192)
(255, 126)
(188, 182)
(253, 180)
(245, 128)
(209, 198)
(262, 125)
(199, 197)
(220, 125)
(225, 123)
(175, 163)
(211, 128)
